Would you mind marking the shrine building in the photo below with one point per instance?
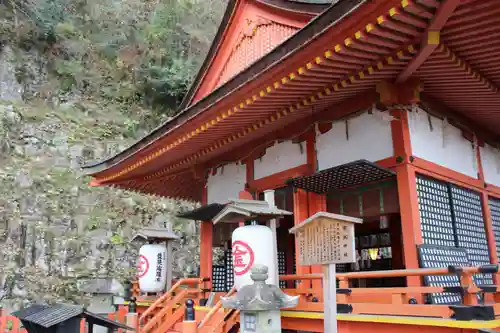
(384, 110)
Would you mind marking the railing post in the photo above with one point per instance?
(467, 281)
(131, 319)
(189, 323)
(343, 297)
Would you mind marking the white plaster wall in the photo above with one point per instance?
(370, 138)
(280, 157)
(227, 183)
(441, 143)
(490, 160)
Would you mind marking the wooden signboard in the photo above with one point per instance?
(327, 239)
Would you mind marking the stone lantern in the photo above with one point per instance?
(260, 304)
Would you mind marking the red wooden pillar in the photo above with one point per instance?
(317, 203)
(405, 94)
(407, 188)
(300, 213)
(488, 223)
(206, 240)
(410, 218)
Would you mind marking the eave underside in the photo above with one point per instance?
(396, 43)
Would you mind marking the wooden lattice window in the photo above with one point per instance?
(495, 219)
(451, 217)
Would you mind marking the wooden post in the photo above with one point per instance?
(488, 223)
(189, 324)
(408, 196)
(317, 203)
(327, 239)
(270, 199)
(329, 298)
(206, 240)
(206, 234)
(244, 195)
(300, 213)
(132, 322)
(168, 245)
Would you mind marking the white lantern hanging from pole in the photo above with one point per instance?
(152, 268)
(252, 245)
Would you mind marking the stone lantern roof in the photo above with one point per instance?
(260, 296)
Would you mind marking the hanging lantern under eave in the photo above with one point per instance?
(152, 268)
(252, 245)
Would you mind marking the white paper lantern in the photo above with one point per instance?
(152, 269)
(252, 245)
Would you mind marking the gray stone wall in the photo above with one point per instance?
(55, 230)
(10, 89)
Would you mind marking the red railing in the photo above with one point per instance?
(167, 310)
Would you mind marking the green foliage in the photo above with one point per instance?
(115, 69)
(129, 52)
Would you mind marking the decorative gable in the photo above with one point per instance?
(252, 29)
(259, 37)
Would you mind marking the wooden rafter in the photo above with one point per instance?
(431, 39)
(467, 68)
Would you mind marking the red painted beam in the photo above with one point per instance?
(443, 14)
(431, 39)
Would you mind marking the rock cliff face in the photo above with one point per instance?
(10, 89)
(55, 231)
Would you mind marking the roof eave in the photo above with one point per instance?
(302, 8)
(327, 19)
(214, 47)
